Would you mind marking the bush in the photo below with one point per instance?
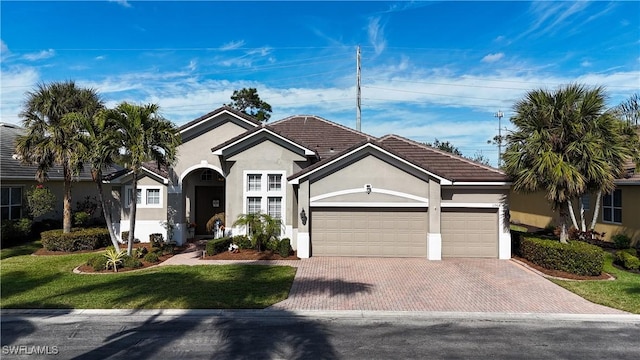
(131, 262)
(218, 245)
(242, 241)
(151, 257)
(621, 241)
(516, 238)
(575, 257)
(124, 236)
(628, 259)
(13, 232)
(140, 252)
(81, 218)
(284, 248)
(272, 245)
(156, 240)
(97, 262)
(77, 239)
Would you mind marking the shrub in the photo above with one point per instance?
(151, 257)
(218, 245)
(41, 201)
(516, 238)
(621, 241)
(140, 252)
(272, 244)
(131, 262)
(124, 236)
(114, 257)
(168, 249)
(81, 218)
(97, 262)
(242, 241)
(77, 239)
(156, 240)
(13, 232)
(284, 248)
(575, 257)
(627, 259)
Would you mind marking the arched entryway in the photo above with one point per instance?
(204, 191)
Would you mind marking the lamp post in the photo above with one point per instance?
(499, 115)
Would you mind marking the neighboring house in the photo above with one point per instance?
(618, 214)
(16, 179)
(338, 192)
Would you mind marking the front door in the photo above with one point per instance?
(209, 201)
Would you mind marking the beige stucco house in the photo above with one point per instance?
(339, 192)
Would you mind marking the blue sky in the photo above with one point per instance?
(429, 69)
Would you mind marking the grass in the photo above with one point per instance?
(519, 228)
(623, 293)
(22, 249)
(48, 282)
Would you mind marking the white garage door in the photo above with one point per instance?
(358, 232)
(469, 233)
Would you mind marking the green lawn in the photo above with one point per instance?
(48, 282)
(23, 249)
(622, 293)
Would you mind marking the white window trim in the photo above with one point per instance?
(143, 193)
(613, 207)
(264, 192)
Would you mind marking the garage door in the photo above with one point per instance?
(358, 232)
(469, 233)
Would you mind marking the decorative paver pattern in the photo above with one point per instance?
(412, 284)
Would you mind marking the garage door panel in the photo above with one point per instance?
(469, 233)
(361, 232)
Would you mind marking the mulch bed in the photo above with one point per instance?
(562, 274)
(250, 254)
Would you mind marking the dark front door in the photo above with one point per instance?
(209, 201)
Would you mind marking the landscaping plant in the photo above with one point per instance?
(114, 258)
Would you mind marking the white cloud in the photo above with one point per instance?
(124, 3)
(192, 65)
(44, 54)
(101, 57)
(586, 63)
(492, 57)
(232, 45)
(15, 83)
(376, 35)
(3, 46)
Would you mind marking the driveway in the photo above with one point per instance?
(415, 284)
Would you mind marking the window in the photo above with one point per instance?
(612, 207)
(253, 182)
(148, 196)
(585, 199)
(265, 192)
(153, 196)
(274, 207)
(11, 200)
(253, 205)
(207, 175)
(275, 182)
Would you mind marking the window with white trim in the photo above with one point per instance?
(265, 192)
(586, 200)
(11, 203)
(148, 196)
(612, 207)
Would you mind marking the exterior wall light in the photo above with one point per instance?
(303, 217)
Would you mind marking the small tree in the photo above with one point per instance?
(260, 227)
(248, 101)
(41, 201)
(445, 146)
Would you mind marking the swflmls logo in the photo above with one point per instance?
(29, 350)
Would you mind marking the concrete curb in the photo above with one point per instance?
(323, 314)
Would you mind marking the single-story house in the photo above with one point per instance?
(17, 179)
(338, 191)
(618, 213)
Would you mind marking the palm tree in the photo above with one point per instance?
(54, 136)
(261, 227)
(141, 135)
(565, 144)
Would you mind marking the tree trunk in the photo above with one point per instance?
(564, 236)
(596, 210)
(106, 211)
(132, 213)
(583, 226)
(66, 212)
(572, 214)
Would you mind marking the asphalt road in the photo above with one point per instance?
(275, 334)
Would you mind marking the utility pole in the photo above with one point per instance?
(499, 115)
(358, 109)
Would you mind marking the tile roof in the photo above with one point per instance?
(324, 137)
(217, 111)
(12, 168)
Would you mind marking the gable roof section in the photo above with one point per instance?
(150, 168)
(447, 168)
(325, 137)
(191, 129)
(250, 137)
(447, 165)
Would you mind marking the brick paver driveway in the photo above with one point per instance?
(466, 285)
